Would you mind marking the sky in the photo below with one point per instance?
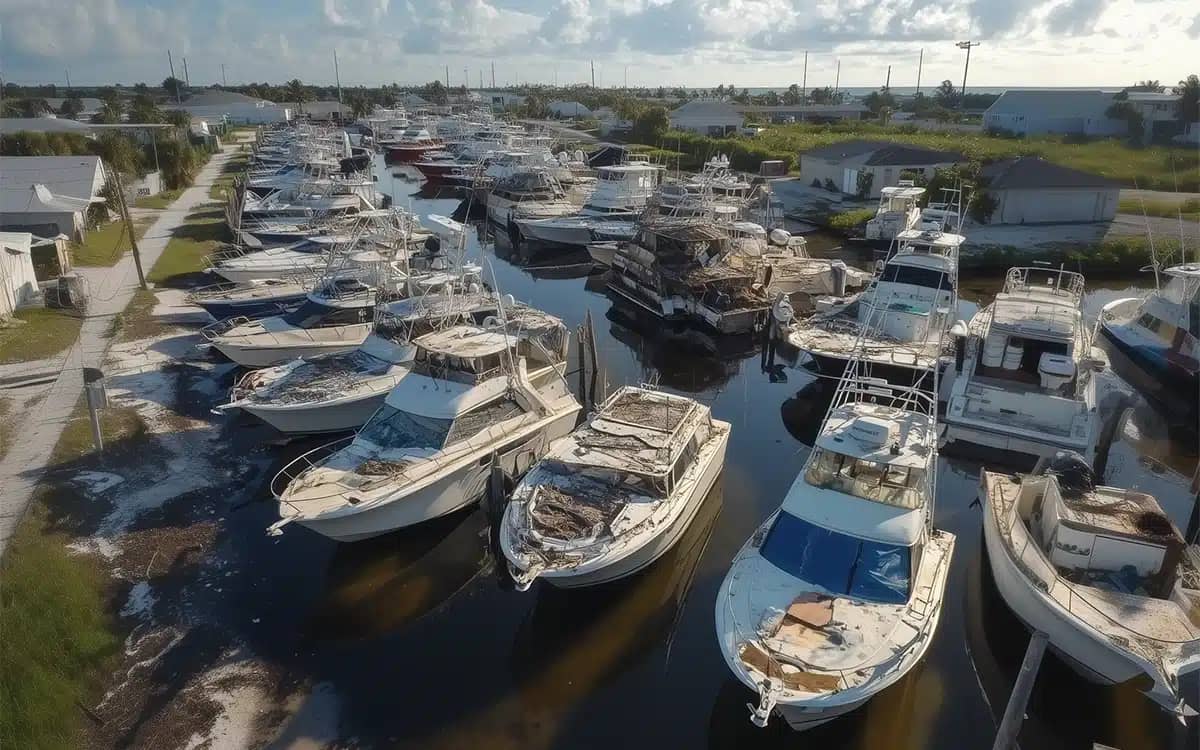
(747, 43)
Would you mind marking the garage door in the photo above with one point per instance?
(1051, 207)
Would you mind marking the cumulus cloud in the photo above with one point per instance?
(1074, 16)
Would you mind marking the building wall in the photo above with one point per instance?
(884, 176)
(1055, 205)
(889, 176)
(149, 185)
(45, 224)
(813, 168)
(18, 283)
(708, 125)
(1033, 124)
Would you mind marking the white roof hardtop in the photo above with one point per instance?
(902, 191)
(466, 341)
(931, 237)
(910, 444)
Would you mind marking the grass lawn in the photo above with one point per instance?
(106, 244)
(45, 333)
(851, 219)
(118, 424)
(1154, 168)
(1169, 209)
(162, 200)
(199, 235)
(235, 166)
(57, 637)
(135, 321)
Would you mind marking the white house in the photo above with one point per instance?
(707, 117)
(842, 163)
(1029, 190)
(1159, 113)
(36, 209)
(18, 284)
(568, 109)
(80, 177)
(1057, 111)
(215, 105)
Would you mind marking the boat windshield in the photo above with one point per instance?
(395, 429)
(839, 563)
(314, 314)
(916, 276)
(902, 486)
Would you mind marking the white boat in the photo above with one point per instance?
(1026, 382)
(612, 497)
(533, 194)
(1101, 571)
(339, 392)
(621, 194)
(686, 269)
(897, 211)
(898, 324)
(334, 319)
(839, 593)
(308, 257)
(476, 396)
(789, 270)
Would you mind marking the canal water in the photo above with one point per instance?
(423, 645)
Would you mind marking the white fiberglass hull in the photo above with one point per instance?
(1089, 652)
(557, 233)
(458, 488)
(244, 274)
(667, 537)
(325, 416)
(1023, 441)
(602, 253)
(267, 349)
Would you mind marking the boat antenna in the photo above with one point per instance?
(1149, 237)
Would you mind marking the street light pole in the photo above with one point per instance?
(962, 93)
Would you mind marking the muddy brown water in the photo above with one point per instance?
(421, 644)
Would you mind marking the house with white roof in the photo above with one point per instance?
(18, 284)
(49, 195)
(215, 105)
(707, 117)
(37, 210)
(1054, 111)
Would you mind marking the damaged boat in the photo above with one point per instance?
(612, 497)
(1102, 571)
(477, 396)
(839, 593)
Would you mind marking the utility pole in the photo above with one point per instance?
(887, 85)
(962, 93)
(804, 86)
(172, 64)
(627, 76)
(837, 83)
(920, 64)
(593, 62)
(337, 76)
(68, 79)
(137, 256)
(493, 74)
(466, 80)
(187, 79)
(223, 83)
(447, 77)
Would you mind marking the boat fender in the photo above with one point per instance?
(491, 321)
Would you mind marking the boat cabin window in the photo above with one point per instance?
(884, 483)
(927, 277)
(480, 418)
(313, 314)
(392, 428)
(839, 563)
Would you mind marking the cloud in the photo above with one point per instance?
(1074, 17)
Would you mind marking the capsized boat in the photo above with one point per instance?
(1026, 382)
(612, 497)
(1102, 571)
(476, 397)
(339, 392)
(839, 593)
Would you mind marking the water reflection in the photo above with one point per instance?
(382, 584)
(575, 642)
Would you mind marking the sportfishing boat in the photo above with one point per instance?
(1026, 382)
(412, 144)
(339, 392)
(839, 593)
(897, 212)
(477, 396)
(686, 269)
(621, 194)
(534, 194)
(1158, 340)
(613, 496)
(1102, 571)
(306, 258)
(902, 317)
(789, 270)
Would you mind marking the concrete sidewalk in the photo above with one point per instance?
(109, 291)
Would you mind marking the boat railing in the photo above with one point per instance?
(1069, 284)
(291, 471)
(214, 331)
(1036, 567)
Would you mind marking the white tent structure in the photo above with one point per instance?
(18, 285)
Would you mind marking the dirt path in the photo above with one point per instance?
(109, 291)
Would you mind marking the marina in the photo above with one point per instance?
(590, 486)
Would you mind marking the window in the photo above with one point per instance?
(482, 417)
(839, 563)
(915, 276)
(392, 428)
(317, 315)
(901, 486)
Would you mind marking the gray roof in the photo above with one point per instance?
(217, 98)
(90, 103)
(37, 199)
(43, 125)
(1052, 102)
(322, 107)
(884, 153)
(706, 108)
(65, 176)
(1032, 172)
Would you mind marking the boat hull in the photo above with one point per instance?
(602, 253)
(458, 489)
(556, 235)
(643, 556)
(407, 154)
(1172, 389)
(1023, 442)
(253, 355)
(330, 416)
(258, 308)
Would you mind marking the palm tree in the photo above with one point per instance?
(1189, 100)
(297, 93)
(360, 106)
(1151, 85)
